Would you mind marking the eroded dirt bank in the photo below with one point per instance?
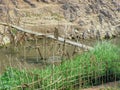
(75, 19)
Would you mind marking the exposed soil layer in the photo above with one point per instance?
(75, 19)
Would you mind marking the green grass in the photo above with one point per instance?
(85, 67)
(13, 77)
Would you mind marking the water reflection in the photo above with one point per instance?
(43, 52)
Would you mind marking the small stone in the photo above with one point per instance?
(6, 40)
(46, 1)
(62, 1)
(81, 23)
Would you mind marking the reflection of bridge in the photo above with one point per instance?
(48, 36)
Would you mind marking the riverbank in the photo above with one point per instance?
(74, 19)
(96, 65)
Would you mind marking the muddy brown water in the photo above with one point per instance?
(42, 52)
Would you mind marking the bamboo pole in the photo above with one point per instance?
(49, 36)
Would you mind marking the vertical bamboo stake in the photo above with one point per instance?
(63, 53)
(40, 53)
(36, 43)
(45, 49)
(24, 52)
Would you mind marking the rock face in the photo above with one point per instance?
(75, 19)
(71, 11)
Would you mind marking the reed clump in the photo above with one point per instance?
(100, 65)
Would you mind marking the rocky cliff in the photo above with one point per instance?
(74, 19)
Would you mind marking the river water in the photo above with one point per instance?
(39, 53)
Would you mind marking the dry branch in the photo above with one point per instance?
(49, 36)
